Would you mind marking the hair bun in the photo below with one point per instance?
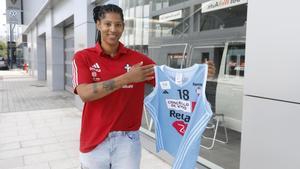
(96, 11)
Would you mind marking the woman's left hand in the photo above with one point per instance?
(211, 69)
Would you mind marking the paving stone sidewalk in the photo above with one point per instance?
(20, 92)
(40, 129)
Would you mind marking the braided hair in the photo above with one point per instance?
(99, 13)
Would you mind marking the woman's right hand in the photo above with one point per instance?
(140, 73)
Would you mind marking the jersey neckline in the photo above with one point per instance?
(193, 69)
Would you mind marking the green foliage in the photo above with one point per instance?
(3, 49)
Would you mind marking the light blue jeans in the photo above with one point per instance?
(120, 150)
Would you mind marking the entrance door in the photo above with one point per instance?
(68, 54)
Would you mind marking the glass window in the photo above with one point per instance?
(182, 27)
(165, 3)
(175, 60)
(116, 2)
(168, 3)
(224, 18)
(68, 55)
(173, 27)
(69, 42)
(235, 60)
(146, 10)
(174, 2)
(201, 54)
(157, 5)
(136, 32)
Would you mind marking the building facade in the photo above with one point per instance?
(246, 94)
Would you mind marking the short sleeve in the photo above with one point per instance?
(148, 61)
(80, 70)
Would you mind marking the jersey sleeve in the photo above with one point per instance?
(80, 70)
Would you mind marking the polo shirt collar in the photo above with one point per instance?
(121, 51)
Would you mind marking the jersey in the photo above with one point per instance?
(180, 111)
(118, 111)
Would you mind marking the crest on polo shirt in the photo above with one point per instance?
(127, 67)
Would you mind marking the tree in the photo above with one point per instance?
(3, 49)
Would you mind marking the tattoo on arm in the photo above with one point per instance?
(109, 85)
(95, 87)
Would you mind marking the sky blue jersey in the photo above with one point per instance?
(180, 112)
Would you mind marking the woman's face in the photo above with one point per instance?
(111, 28)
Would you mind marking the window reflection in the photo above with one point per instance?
(220, 19)
(235, 61)
(201, 54)
(163, 42)
(159, 4)
(136, 32)
(172, 27)
(175, 60)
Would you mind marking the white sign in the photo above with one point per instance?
(214, 5)
(170, 16)
(13, 11)
(13, 4)
(13, 16)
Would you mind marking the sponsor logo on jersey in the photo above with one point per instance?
(198, 90)
(165, 92)
(197, 84)
(95, 68)
(165, 85)
(180, 116)
(180, 126)
(182, 105)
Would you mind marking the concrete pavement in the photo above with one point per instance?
(39, 129)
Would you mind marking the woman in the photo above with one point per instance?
(110, 79)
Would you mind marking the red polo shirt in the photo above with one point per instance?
(118, 111)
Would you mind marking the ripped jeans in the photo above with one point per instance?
(120, 150)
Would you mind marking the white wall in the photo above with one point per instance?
(270, 129)
(31, 7)
(49, 24)
(84, 31)
(62, 10)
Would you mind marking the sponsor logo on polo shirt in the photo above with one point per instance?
(95, 67)
(127, 86)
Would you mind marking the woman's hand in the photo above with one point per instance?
(211, 69)
(140, 73)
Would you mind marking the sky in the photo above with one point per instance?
(2, 18)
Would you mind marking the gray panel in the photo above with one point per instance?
(273, 51)
(270, 137)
